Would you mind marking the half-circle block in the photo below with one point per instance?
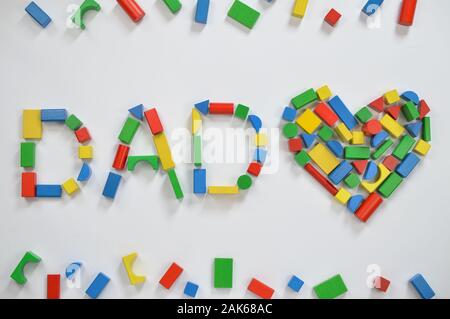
(72, 269)
(86, 6)
(153, 160)
(128, 262)
(18, 275)
(370, 187)
(85, 173)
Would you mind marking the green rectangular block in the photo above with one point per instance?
(73, 122)
(382, 149)
(129, 128)
(352, 180)
(241, 111)
(302, 158)
(390, 185)
(410, 111)
(403, 147)
(364, 114)
(173, 5)
(325, 133)
(223, 272)
(27, 154)
(304, 98)
(426, 129)
(243, 14)
(357, 152)
(175, 184)
(197, 141)
(331, 288)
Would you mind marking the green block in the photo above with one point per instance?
(426, 129)
(243, 14)
(364, 114)
(173, 5)
(197, 146)
(241, 111)
(244, 182)
(290, 130)
(410, 111)
(175, 183)
(304, 98)
(223, 272)
(302, 158)
(403, 147)
(325, 133)
(18, 275)
(357, 152)
(352, 180)
(27, 154)
(153, 160)
(331, 288)
(382, 149)
(390, 185)
(129, 128)
(73, 122)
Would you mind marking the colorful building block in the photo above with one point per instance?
(343, 132)
(260, 155)
(261, 139)
(382, 149)
(340, 172)
(137, 111)
(132, 8)
(38, 14)
(378, 104)
(111, 185)
(422, 287)
(27, 154)
(372, 127)
(343, 112)
(356, 152)
(394, 111)
(290, 130)
(73, 122)
(255, 121)
(70, 186)
(424, 109)
(197, 149)
(153, 121)
(422, 147)
(295, 144)
(53, 115)
(343, 196)
(128, 262)
(371, 186)
(163, 150)
(176, 186)
(332, 17)
(426, 129)
(221, 108)
(152, 160)
(85, 152)
(364, 115)
(392, 97)
(326, 114)
(372, 6)
(87, 5)
(120, 159)
(196, 121)
(302, 158)
(308, 121)
(390, 185)
(260, 289)
(97, 285)
(308, 139)
(223, 190)
(173, 5)
(243, 14)
(322, 180)
(201, 11)
(223, 272)
(336, 148)
(295, 283)
(407, 12)
(203, 107)
(403, 147)
(407, 165)
(414, 129)
(299, 9)
(48, 190)
(410, 111)
(358, 138)
(170, 276)
(390, 162)
(410, 96)
(241, 111)
(378, 139)
(128, 131)
(83, 135)
(254, 168)
(381, 284)
(53, 286)
(31, 124)
(190, 289)
(371, 171)
(323, 158)
(304, 99)
(18, 273)
(244, 182)
(368, 207)
(360, 166)
(331, 288)
(199, 181)
(392, 126)
(355, 202)
(324, 93)
(289, 114)
(29, 180)
(85, 173)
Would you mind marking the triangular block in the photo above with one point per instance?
(360, 166)
(308, 139)
(394, 111)
(203, 107)
(424, 109)
(414, 128)
(378, 104)
(137, 111)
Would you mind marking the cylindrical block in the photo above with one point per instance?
(407, 12)
(133, 10)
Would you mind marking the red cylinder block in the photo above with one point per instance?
(407, 12)
(368, 207)
(133, 10)
(121, 157)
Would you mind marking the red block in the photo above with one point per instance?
(407, 12)
(153, 121)
(391, 162)
(394, 111)
(29, 184)
(83, 135)
(381, 284)
(326, 114)
(53, 286)
(332, 17)
(254, 168)
(369, 206)
(372, 127)
(321, 179)
(377, 105)
(133, 10)
(260, 289)
(295, 144)
(170, 276)
(221, 108)
(121, 157)
(360, 166)
(424, 109)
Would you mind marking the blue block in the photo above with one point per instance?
(308, 139)
(53, 115)
(203, 107)
(199, 181)
(295, 283)
(371, 171)
(410, 96)
(38, 14)
(256, 122)
(372, 6)
(190, 289)
(336, 147)
(422, 287)
(407, 165)
(343, 112)
(378, 139)
(260, 155)
(340, 172)
(414, 128)
(289, 114)
(85, 173)
(111, 185)
(48, 190)
(354, 202)
(137, 111)
(72, 269)
(201, 13)
(97, 285)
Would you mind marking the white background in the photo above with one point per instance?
(286, 224)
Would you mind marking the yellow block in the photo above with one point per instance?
(324, 93)
(223, 190)
(128, 262)
(196, 121)
(422, 147)
(358, 138)
(343, 196)
(163, 150)
(383, 173)
(343, 132)
(323, 157)
(31, 124)
(392, 126)
(260, 139)
(299, 9)
(392, 97)
(70, 186)
(308, 121)
(85, 152)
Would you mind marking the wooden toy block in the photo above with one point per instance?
(391, 97)
(360, 166)
(324, 93)
(87, 5)
(343, 112)
(352, 181)
(97, 286)
(128, 131)
(48, 190)
(358, 138)
(343, 132)
(31, 124)
(355, 202)
(73, 122)
(368, 207)
(137, 111)
(302, 158)
(371, 186)
(422, 147)
(152, 160)
(177, 190)
(325, 133)
(27, 154)
(422, 287)
(128, 262)
(424, 109)
(223, 190)
(133, 10)
(390, 162)
(173, 5)
(85, 173)
(332, 17)
(322, 180)
(336, 148)
(254, 169)
(410, 111)
(196, 121)
(29, 180)
(261, 139)
(326, 114)
(340, 172)
(241, 111)
(197, 148)
(299, 8)
(70, 186)
(290, 130)
(410, 96)
(403, 147)
(394, 111)
(295, 283)
(323, 158)
(190, 289)
(85, 152)
(343, 196)
(243, 14)
(392, 126)
(83, 135)
(390, 185)
(308, 139)
(223, 272)
(203, 107)
(295, 144)
(38, 14)
(364, 115)
(372, 127)
(331, 288)
(53, 286)
(371, 171)
(170, 276)
(308, 121)
(244, 182)
(356, 152)
(221, 108)
(381, 284)
(53, 115)
(18, 274)
(199, 181)
(378, 104)
(163, 150)
(378, 139)
(407, 165)
(426, 129)
(260, 155)
(289, 114)
(304, 99)
(111, 185)
(153, 121)
(201, 11)
(414, 129)
(260, 289)
(255, 121)
(407, 12)
(372, 6)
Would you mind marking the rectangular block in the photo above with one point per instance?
(31, 124)
(201, 11)
(27, 154)
(403, 147)
(53, 115)
(223, 190)
(48, 190)
(120, 159)
(410, 111)
(221, 108)
(382, 149)
(426, 129)
(197, 148)
(331, 288)
(196, 121)
(357, 152)
(422, 287)
(407, 165)
(392, 126)
(53, 286)
(97, 286)
(243, 14)
(308, 121)
(170, 276)
(199, 181)
(322, 180)
(326, 114)
(163, 150)
(128, 131)
(83, 135)
(343, 112)
(173, 5)
(304, 99)
(260, 289)
(111, 185)
(340, 172)
(29, 180)
(344, 133)
(176, 187)
(223, 273)
(38, 14)
(299, 8)
(153, 121)
(324, 158)
(390, 185)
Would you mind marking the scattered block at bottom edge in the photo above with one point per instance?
(170, 276)
(260, 289)
(223, 273)
(422, 287)
(97, 285)
(331, 288)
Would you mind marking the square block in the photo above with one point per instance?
(324, 158)
(392, 97)
(324, 93)
(70, 186)
(422, 147)
(190, 289)
(343, 196)
(85, 152)
(295, 283)
(332, 17)
(289, 114)
(83, 135)
(241, 111)
(358, 138)
(308, 121)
